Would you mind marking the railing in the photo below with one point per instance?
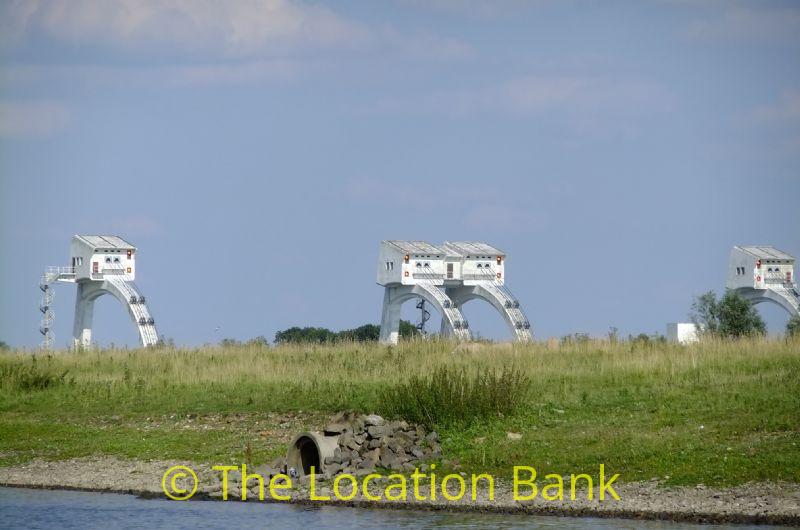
(777, 277)
(112, 270)
(488, 276)
(427, 276)
(60, 270)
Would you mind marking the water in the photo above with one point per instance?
(28, 508)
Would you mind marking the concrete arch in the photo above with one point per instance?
(787, 299)
(502, 300)
(395, 296)
(127, 294)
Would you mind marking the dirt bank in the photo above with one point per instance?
(774, 503)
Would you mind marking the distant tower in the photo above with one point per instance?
(415, 269)
(481, 270)
(446, 277)
(100, 265)
(764, 274)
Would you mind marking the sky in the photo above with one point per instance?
(258, 151)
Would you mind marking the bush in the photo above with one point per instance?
(793, 327)
(730, 317)
(453, 397)
(365, 333)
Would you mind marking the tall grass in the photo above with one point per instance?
(453, 397)
(28, 376)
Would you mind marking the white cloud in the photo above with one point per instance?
(32, 119)
(762, 24)
(231, 26)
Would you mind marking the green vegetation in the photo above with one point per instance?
(793, 327)
(730, 317)
(365, 333)
(452, 397)
(717, 412)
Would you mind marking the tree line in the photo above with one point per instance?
(365, 333)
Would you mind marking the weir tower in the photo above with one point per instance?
(446, 277)
(100, 265)
(764, 274)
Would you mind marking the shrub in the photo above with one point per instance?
(730, 317)
(454, 397)
(793, 327)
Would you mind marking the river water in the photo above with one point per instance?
(51, 509)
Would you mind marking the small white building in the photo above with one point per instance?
(95, 257)
(447, 277)
(758, 267)
(764, 274)
(410, 262)
(682, 332)
(473, 262)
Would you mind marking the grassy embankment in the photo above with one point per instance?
(712, 413)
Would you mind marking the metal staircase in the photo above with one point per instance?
(137, 307)
(511, 305)
(50, 276)
(787, 290)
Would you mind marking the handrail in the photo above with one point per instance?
(60, 270)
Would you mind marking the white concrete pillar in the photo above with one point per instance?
(84, 314)
(390, 318)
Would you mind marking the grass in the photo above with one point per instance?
(716, 413)
(453, 398)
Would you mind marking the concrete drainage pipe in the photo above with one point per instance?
(311, 449)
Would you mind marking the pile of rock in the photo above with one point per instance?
(367, 442)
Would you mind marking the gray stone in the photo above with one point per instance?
(388, 460)
(373, 419)
(417, 453)
(432, 437)
(358, 425)
(335, 428)
(376, 431)
(395, 446)
(373, 457)
(403, 438)
(334, 469)
(345, 440)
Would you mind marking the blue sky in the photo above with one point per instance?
(258, 151)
